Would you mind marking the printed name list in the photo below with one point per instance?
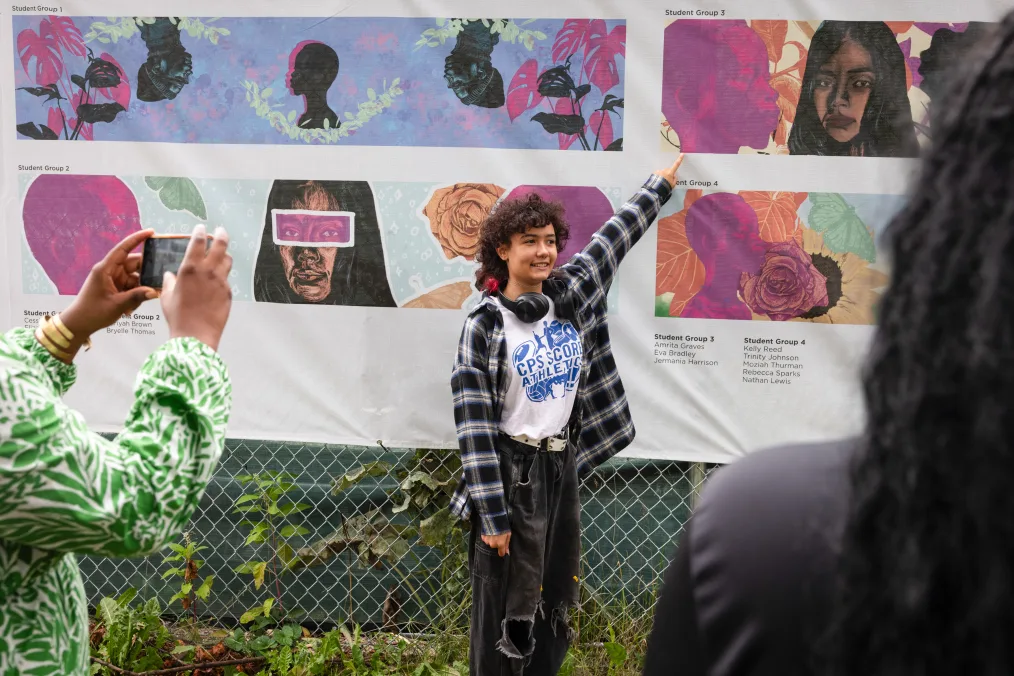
(772, 361)
(679, 350)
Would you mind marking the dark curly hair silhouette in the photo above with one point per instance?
(927, 566)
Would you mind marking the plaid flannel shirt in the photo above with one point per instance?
(602, 425)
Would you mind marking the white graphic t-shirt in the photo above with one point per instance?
(544, 367)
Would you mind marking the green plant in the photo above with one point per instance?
(418, 513)
(616, 652)
(273, 527)
(260, 100)
(188, 572)
(507, 29)
(132, 638)
(129, 26)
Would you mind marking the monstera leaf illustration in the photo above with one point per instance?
(843, 230)
(178, 194)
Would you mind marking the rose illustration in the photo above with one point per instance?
(787, 286)
(455, 214)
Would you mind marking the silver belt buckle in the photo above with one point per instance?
(553, 444)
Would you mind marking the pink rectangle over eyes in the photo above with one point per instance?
(313, 228)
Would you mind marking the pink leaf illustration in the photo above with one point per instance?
(87, 130)
(605, 131)
(600, 57)
(68, 36)
(41, 47)
(523, 92)
(566, 107)
(121, 92)
(571, 39)
(55, 121)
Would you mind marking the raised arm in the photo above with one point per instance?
(593, 268)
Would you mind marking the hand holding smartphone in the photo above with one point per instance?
(162, 254)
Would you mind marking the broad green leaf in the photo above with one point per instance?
(251, 615)
(249, 497)
(268, 602)
(258, 574)
(171, 572)
(257, 534)
(434, 530)
(205, 589)
(289, 531)
(178, 194)
(841, 227)
(290, 508)
(286, 554)
(184, 649)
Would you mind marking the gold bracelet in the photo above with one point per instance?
(66, 333)
(61, 327)
(44, 340)
(55, 335)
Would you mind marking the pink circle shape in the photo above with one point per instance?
(72, 222)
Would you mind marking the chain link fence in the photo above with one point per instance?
(325, 534)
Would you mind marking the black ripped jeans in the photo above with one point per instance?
(520, 602)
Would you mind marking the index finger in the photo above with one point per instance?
(119, 252)
(678, 162)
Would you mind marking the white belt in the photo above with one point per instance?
(551, 444)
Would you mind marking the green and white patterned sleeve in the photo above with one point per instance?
(64, 488)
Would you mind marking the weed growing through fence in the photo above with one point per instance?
(192, 586)
(273, 524)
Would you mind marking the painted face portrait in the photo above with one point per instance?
(716, 91)
(854, 98)
(322, 245)
(169, 66)
(308, 243)
(469, 71)
(842, 90)
(308, 271)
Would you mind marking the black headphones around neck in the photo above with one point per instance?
(528, 307)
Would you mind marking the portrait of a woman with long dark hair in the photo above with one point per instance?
(854, 99)
(316, 268)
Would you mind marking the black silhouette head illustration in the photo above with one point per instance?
(469, 69)
(169, 65)
(313, 67)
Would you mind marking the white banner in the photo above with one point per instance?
(352, 156)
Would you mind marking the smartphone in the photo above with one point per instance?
(162, 254)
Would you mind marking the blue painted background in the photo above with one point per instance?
(213, 107)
